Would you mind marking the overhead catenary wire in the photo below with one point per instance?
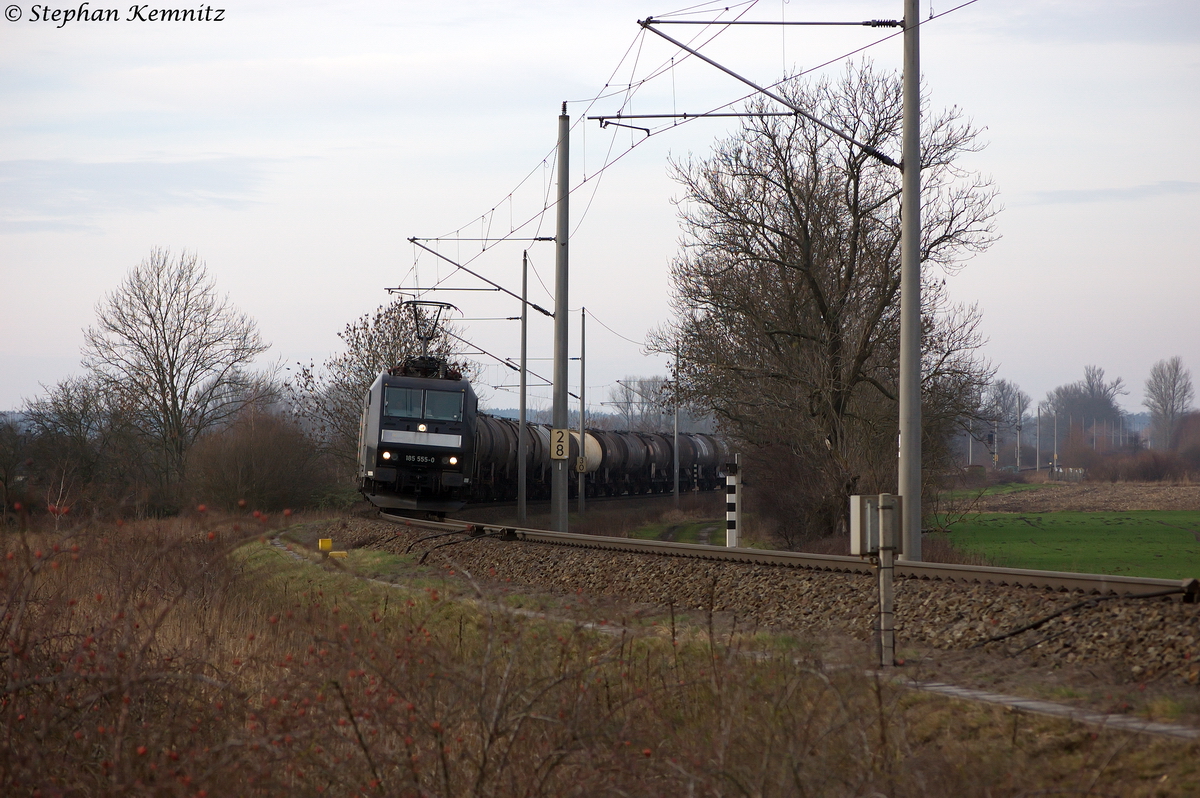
(501, 360)
(669, 64)
(611, 160)
(611, 330)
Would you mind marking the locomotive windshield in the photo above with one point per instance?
(415, 403)
(402, 402)
(443, 405)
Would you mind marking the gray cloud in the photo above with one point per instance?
(65, 195)
(1163, 188)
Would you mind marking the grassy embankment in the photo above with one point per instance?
(184, 658)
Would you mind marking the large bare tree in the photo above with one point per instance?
(1087, 402)
(177, 353)
(786, 292)
(1169, 397)
(329, 398)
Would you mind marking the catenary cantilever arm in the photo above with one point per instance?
(867, 148)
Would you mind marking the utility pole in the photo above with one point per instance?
(522, 443)
(558, 478)
(675, 445)
(1055, 469)
(1018, 460)
(910, 290)
(1037, 446)
(582, 408)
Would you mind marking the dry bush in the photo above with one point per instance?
(264, 459)
(793, 503)
(1145, 466)
(167, 659)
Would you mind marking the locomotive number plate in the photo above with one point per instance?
(419, 458)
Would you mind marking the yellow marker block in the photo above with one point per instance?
(325, 544)
(341, 555)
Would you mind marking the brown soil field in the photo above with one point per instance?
(1093, 497)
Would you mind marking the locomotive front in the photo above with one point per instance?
(416, 443)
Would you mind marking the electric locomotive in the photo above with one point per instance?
(416, 444)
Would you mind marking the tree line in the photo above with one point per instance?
(1082, 420)
(170, 409)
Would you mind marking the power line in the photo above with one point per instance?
(612, 161)
(614, 332)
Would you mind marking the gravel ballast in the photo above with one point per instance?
(1141, 639)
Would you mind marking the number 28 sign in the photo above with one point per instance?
(560, 444)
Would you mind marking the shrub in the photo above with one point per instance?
(1144, 466)
(262, 458)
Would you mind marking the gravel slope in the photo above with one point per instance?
(1140, 639)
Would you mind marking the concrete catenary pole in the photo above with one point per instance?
(522, 442)
(910, 290)
(582, 407)
(558, 478)
(675, 456)
(675, 433)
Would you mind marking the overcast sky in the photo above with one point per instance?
(296, 146)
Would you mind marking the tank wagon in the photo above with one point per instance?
(425, 448)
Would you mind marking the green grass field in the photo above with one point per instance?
(1163, 544)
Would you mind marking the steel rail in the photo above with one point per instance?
(1061, 581)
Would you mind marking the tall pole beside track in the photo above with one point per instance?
(582, 409)
(910, 290)
(559, 483)
(522, 443)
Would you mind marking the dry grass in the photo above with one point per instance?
(187, 658)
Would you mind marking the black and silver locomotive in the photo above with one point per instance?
(417, 438)
(425, 449)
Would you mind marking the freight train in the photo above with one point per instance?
(425, 449)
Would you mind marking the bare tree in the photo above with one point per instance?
(329, 398)
(176, 353)
(641, 403)
(786, 292)
(1169, 397)
(1088, 401)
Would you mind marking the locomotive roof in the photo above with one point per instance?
(432, 383)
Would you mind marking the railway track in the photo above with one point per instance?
(1088, 584)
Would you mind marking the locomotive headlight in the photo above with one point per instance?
(387, 455)
(453, 461)
(421, 428)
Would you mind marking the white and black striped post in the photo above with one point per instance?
(891, 543)
(733, 507)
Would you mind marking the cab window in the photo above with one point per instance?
(444, 405)
(402, 402)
